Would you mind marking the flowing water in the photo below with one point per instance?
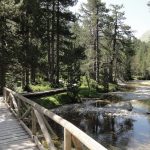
(116, 128)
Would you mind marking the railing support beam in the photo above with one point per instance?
(67, 140)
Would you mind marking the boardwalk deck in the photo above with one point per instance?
(12, 135)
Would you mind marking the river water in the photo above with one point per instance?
(126, 131)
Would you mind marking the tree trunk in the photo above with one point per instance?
(33, 74)
(97, 49)
(52, 44)
(48, 44)
(114, 57)
(57, 46)
(23, 78)
(111, 72)
(27, 81)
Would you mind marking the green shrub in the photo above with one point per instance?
(54, 101)
(40, 87)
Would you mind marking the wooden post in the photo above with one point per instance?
(67, 140)
(34, 129)
(26, 113)
(44, 130)
(10, 101)
(7, 97)
(49, 128)
(76, 143)
(4, 94)
(19, 107)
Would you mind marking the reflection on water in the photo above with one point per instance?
(116, 132)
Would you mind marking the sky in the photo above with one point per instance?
(137, 14)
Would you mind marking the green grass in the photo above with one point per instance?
(84, 92)
(54, 101)
(40, 87)
(93, 93)
(63, 98)
(113, 87)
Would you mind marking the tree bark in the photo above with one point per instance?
(48, 44)
(114, 57)
(27, 77)
(52, 44)
(97, 49)
(57, 46)
(33, 74)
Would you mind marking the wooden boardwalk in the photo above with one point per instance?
(12, 135)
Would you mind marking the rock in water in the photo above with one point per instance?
(121, 105)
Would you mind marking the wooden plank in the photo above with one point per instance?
(77, 143)
(26, 128)
(9, 123)
(34, 123)
(17, 142)
(19, 145)
(13, 136)
(14, 139)
(12, 132)
(49, 128)
(10, 128)
(44, 130)
(40, 146)
(26, 113)
(67, 140)
(19, 108)
(14, 101)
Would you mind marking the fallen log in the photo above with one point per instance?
(44, 93)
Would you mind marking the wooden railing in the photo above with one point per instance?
(35, 119)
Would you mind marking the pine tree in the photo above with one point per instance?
(94, 20)
(8, 10)
(118, 37)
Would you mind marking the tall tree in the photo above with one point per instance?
(118, 35)
(8, 10)
(94, 13)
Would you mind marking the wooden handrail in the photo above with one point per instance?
(70, 130)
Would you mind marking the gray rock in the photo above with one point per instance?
(121, 105)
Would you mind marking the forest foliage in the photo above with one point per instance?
(44, 42)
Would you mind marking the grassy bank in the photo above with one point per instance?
(65, 98)
(84, 91)
(54, 101)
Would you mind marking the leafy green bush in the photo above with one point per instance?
(40, 87)
(84, 92)
(54, 101)
(113, 87)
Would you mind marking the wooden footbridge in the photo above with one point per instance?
(25, 125)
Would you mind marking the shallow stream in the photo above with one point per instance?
(118, 129)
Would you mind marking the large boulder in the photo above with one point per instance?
(121, 105)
